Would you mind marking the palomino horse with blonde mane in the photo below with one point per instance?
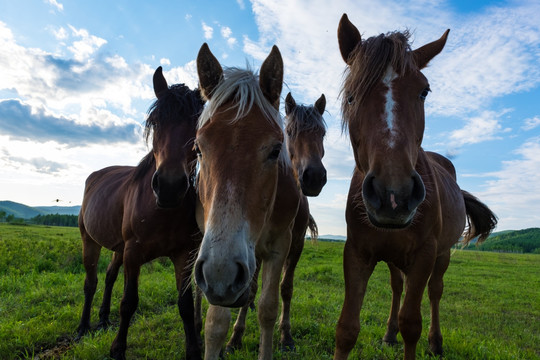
(404, 205)
(248, 192)
(305, 128)
(145, 212)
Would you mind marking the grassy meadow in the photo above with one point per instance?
(490, 309)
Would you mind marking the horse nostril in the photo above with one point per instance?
(199, 275)
(369, 192)
(242, 275)
(418, 192)
(155, 182)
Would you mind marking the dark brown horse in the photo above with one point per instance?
(404, 205)
(248, 192)
(305, 128)
(145, 212)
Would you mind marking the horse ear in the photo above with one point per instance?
(348, 38)
(271, 77)
(320, 104)
(160, 84)
(209, 71)
(424, 54)
(290, 104)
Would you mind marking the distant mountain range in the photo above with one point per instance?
(27, 212)
(333, 237)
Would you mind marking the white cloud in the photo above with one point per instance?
(226, 33)
(61, 33)
(165, 62)
(241, 4)
(188, 17)
(486, 57)
(208, 31)
(186, 74)
(531, 123)
(56, 4)
(514, 194)
(480, 128)
(85, 47)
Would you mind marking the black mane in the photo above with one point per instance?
(178, 103)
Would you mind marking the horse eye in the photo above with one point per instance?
(350, 99)
(197, 150)
(424, 93)
(274, 154)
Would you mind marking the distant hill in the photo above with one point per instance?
(332, 237)
(27, 212)
(520, 241)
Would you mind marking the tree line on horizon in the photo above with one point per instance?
(519, 241)
(49, 220)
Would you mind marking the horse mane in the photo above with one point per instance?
(304, 119)
(241, 87)
(178, 103)
(144, 166)
(368, 63)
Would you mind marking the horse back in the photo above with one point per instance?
(449, 199)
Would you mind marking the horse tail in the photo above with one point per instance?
(313, 228)
(480, 219)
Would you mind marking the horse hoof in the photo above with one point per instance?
(390, 340)
(103, 325)
(287, 347)
(118, 354)
(81, 331)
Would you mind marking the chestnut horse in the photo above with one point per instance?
(248, 194)
(404, 205)
(305, 128)
(145, 212)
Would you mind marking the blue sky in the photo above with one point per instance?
(76, 82)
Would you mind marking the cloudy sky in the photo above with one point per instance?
(76, 82)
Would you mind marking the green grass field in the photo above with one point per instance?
(490, 309)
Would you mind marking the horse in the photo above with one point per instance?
(305, 130)
(404, 205)
(145, 212)
(248, 194)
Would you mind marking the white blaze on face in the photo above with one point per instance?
(389, 76)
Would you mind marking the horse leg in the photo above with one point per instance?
(110, 279)
(186, 307)
(410, 316)
(269, 299)
(215, 330)
(235, 342)
(357, 272)
(287, 287)
(396, 282)
(91, 252)
(128, 305)
(435, 290)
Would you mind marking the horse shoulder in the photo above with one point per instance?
(449, 199)
(102, 207)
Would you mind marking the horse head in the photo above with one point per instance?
(305, 134)
(172, 121)
(240, 147)
(383, 106)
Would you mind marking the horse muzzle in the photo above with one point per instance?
(392, 209)
(169, 191)
(313, 180)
